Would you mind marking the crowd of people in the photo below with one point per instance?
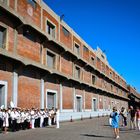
(115, 116)
(16, 119)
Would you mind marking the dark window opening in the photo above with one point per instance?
(93, 79)
(85, 49)
(50, 29)
(92, 60)
(98, 59)
(65, 31)
(77, 72)
(77, 49)
(2, 37)
(50, 60)
(79, 104)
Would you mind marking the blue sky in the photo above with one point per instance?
(113, 25)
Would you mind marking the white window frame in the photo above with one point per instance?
(96, 104)
(81, 102)
(55, 97)
(55, 59)
(74, 47)
(48, 20)
(4, 83)
(75, 70)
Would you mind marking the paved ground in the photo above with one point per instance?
(89, 129)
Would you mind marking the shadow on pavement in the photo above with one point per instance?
(97, 136)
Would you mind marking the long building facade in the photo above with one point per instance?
(44, 63)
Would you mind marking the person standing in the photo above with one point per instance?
(138, 118)
(115, 122)
(123, 113)
(14, 119)
(1, 120)
(132, 118)
(32, 118)
(5, 117)
(57, 118)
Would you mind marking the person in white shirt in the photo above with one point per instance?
(23, 117)
(5, 117)
(28, 118)
(41, 117)
(32, 118)
(57, 118)
(14, 119)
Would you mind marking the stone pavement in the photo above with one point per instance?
(88, 129)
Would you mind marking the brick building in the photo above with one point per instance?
(44, 63)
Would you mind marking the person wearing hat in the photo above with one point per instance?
(115, 122)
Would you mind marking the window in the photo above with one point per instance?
(111, 74)
(98, 59)
(93, 60)
(103, 56)
(93, 80)
(116, 90)
(85, 49)
(77, 72)
(2, 37)
(4, 1)
(94, 105)
(120, 82)
(51, 99)
(76, 48)
(32, 3)
(65, 31)
(50, 60)
(3, 93)
(78, 104)
(51, 29)
(111, 87)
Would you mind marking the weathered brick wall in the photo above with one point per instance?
(87, 76)
(8, 25)
(88, 100)
(28, 48)
(12, 4)
(29, 13)
(28, 92)
(77, 41)
(66, 40)
(66, 66)
(86, 55)
(47, 16)
(67, 96)
(100, 102)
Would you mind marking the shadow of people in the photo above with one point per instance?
(97, 136)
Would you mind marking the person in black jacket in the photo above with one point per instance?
(132, 112)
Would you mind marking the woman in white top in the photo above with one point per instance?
(5, 117)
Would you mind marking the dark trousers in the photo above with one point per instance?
(14, 124)
(125, 121)
(1, 123)
(45, 123)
